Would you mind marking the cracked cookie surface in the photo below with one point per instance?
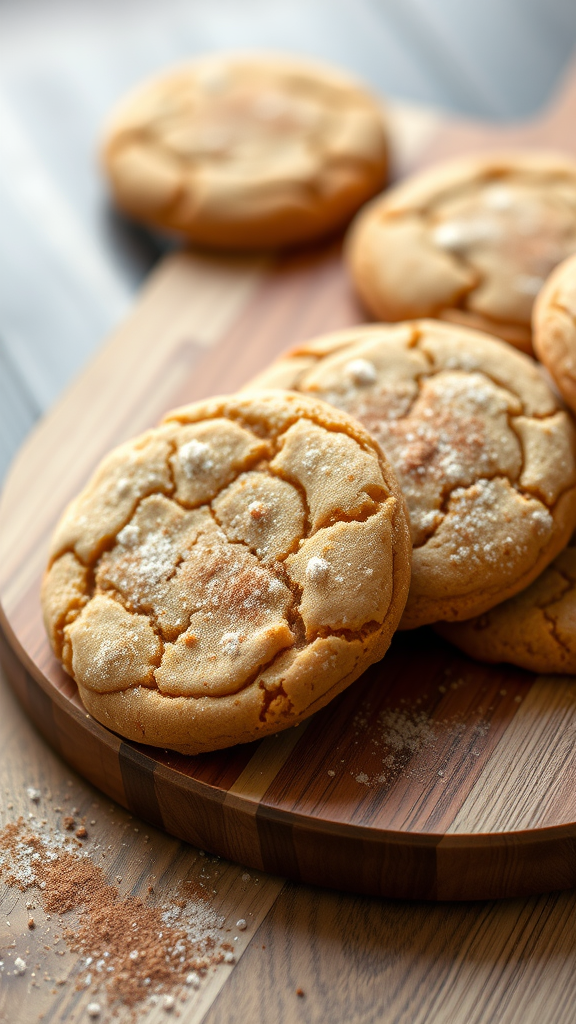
(245, 151)
(484, 455)
(554, 328)
(535, 630)
(226, 574)
(470, 240)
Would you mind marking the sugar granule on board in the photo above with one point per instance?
(171, 943)
(399, 734)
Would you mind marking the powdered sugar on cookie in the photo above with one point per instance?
(485, 457)
(193, 622)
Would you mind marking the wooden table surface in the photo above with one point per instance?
(69, 270)
(356, 959)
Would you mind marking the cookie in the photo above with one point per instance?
(247, 151)
(535, 629)
(554, 328)
(469, 241)
(482, 451)
(224, 575)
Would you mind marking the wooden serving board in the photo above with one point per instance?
(432, 777)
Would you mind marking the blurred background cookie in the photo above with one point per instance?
(535, 629)
(470, 240)
(247, 151)
(483, 453)
(554, 328)
(226, 574)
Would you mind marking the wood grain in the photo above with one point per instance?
(430, 778)
(364, 961)
(124, 847)
(357, 959)
(433, 777)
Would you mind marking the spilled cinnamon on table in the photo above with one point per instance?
(131, 949)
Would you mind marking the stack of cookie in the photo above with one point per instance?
(537, 628)
(229, 572)
(480, 441)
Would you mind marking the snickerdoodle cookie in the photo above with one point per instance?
(247, 151)
(471, 241)
(554, 328)
(226, 574)
(535, 629)
(483, 452)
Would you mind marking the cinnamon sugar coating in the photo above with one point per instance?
(484, 455)
(471, 240)
(247, 151)
(534, 630)
(227, 573)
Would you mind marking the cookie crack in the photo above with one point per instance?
(137, 604)
(553, 629)
(140, 607)
(338, 515)
(569, 580)
(524, 489)
(272, 694)
(135, 609)
(271, 564)
(544, 605)
(418, 341)
(69, 614)
(460, 260)
(418, 336)
(497, 475)
(510, 418)
(532, 415)
(293, 615)
(279, 572)
(250, 423)
(246, 684)
(299, 487)
(454, 191)
(173, 446)
(252, 462)
(481, 371)
(365, 445)
(421, 378)
(368, 629)
(107, 545)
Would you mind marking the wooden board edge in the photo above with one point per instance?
(387, 863)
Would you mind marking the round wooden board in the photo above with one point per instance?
(432, 777)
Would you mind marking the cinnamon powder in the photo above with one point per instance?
(130, 948)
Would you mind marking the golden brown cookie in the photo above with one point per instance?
(536, 629)
(247, 151)
(470, 241)
(554, 328)
(483, 452)
(226, 574)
